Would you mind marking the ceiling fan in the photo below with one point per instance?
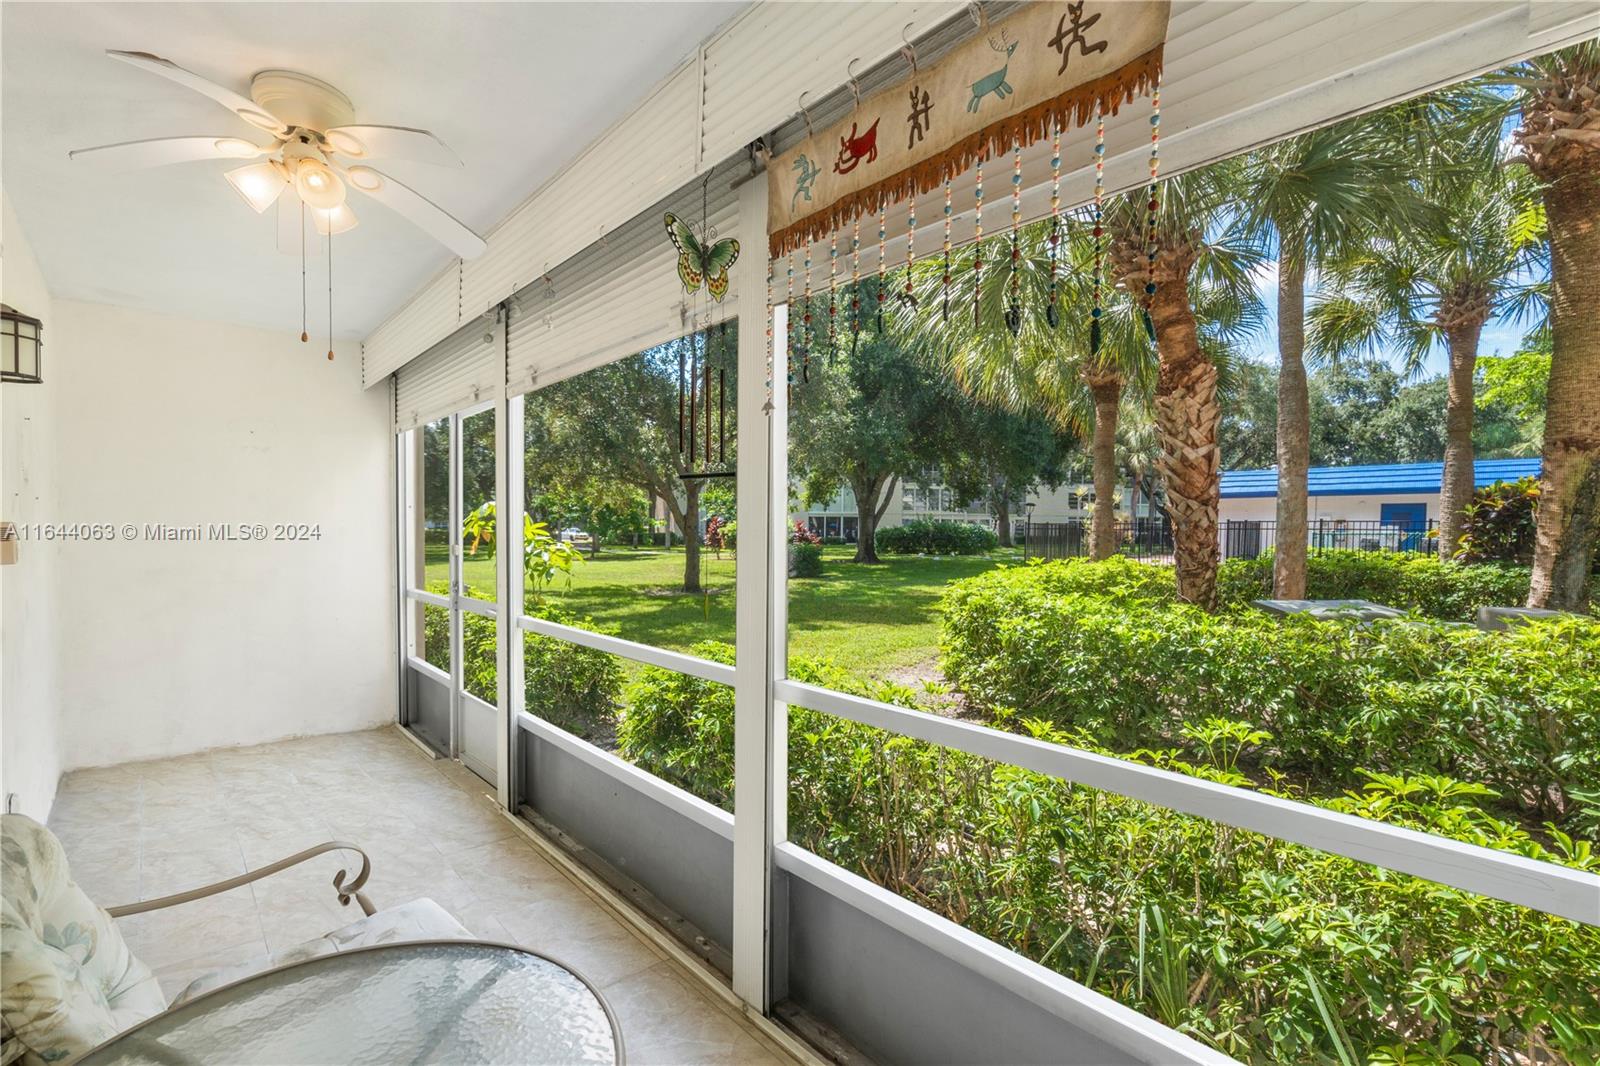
(318, 151)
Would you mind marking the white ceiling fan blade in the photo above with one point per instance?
(426, 214)
(291, 225)
(244, 107)
(392, 142)
(162, 151)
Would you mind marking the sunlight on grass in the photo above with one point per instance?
(871, 620)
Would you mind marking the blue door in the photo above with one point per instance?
(1412, 517)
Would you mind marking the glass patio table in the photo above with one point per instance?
(459, 1001)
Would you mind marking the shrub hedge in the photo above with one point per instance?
(1270, 951)
(1099, 647)
(923, 536)
(1421, 583)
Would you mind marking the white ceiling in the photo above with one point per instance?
(515, 89)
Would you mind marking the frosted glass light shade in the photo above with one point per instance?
(318, 185)
(259, 183)
(334, 220)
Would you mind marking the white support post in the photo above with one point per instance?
(760, 732)
(508, 523)
(454, 540)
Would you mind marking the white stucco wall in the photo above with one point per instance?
(1331, 508)
(178, 646)
(30, 750)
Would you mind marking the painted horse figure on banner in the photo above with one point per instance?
(854, 149)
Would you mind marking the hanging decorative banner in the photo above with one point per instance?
(1044, 68)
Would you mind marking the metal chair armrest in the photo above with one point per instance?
(345, 892)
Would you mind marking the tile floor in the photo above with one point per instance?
(148, 829)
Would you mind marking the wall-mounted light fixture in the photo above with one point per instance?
(21, 340)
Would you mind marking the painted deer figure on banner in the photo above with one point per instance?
(854, 149)
(994, 83)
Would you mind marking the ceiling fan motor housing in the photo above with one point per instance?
(300, 100)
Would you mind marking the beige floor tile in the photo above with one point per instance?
(148, 829)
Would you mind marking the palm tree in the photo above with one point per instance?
(1476, 256)
(1558, 138)
(1041, 368)
(1317, 194)
(1200, 244)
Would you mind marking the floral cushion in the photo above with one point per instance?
(67, 979)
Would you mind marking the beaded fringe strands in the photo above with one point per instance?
(788, 330)
(1099, 228)
(1052, 310)
(833, 286)
(977, 244)
(909, 298)
(806, 334)
(1150, 247)
(855, 283)
(946, 312)
(883, 258)
(1014, 282)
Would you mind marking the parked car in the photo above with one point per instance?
(578, 538)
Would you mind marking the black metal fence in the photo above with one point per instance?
(1150, 539)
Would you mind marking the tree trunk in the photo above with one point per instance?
(1002, 518)
(1294, 429)
(1569, 483)
(868, 511)
(1455, 490)
(1187, 419)
(691, 536)
(1103, 453)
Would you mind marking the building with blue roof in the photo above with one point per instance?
(1402, 496)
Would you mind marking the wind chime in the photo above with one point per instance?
(703, 401)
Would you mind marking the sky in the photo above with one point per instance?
(1500, 337)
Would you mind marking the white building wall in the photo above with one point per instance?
(1330, 508)
(30, 748)
(173, 647)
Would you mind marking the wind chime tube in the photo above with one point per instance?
(706, 400)
(680, 396)
(722, 412)
(694, 378)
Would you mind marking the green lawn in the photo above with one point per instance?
(871, 620)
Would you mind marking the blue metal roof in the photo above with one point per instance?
(1387, 480)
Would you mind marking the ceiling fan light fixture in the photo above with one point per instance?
(237, 148)
(345, 143)
(365, 178)
(260, 184)
(318, 185)
(334, 220)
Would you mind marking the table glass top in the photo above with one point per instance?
(463, 1002)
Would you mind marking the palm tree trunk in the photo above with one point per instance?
(1569, 483)
(1103, 452)
(1187, 419)
(1455, 491)
(1294, 428)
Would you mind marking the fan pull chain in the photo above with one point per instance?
(330, 292)
(945, 314)
(1099, 227)
(883, 257)
(977, 245)
(1150, 247)
(1014, 310)
(305, 335)
(1052, 311)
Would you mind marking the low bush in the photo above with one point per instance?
(805, 560)
(1270, 951)
(1097, 648)
(1500, 522)
(1421, 583)
(566, 684)
(924, 536)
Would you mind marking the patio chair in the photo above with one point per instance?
(67, 979)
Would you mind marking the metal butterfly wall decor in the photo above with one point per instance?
(701, 261)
